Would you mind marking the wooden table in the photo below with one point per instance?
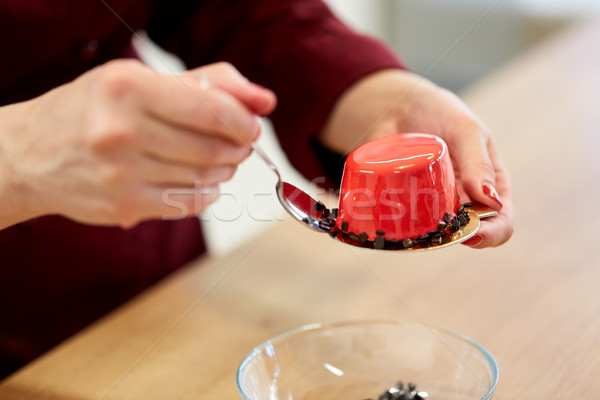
(534, 303)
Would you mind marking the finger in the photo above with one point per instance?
(497, 230)
(470, 153)
(177, 145)
(174, 203)
(178, 175)
(207, 111)
(225, 76)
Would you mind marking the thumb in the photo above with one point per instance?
(472, 153)
(226, 77)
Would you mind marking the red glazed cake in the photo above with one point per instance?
(397, 188)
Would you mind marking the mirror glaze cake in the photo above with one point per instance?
(397, 188)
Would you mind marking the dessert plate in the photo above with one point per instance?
(476, 212)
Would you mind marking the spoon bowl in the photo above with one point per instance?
(299, 204)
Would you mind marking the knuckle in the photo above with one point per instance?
(114, 135)
(117, 79)
(111, 175)
(486, 170)
(215, 115)
(226, 66)
(218, 150)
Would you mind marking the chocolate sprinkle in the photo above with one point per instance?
(443, 233)
(455, 224)
(400, 393)
(334, 212)
(447, 218)
(408, 243)
(437, 239)
(423, 239)
(325, 213)
(319, 206)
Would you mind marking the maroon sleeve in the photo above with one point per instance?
(295, 47)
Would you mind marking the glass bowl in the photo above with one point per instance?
(362, 360)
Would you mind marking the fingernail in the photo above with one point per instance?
(490, 191)
(474, 241)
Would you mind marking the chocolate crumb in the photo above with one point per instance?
(363, 236)
(423, 239)
(345, 226)
(408, 243)
(334, 212)
(379, 243)
(325, 213)
(447, 218)
(436, 239)
(319, 206)
(380, 233)
(455, 224)
(462, 219)
(399, 393)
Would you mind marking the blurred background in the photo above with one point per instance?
(453, 43)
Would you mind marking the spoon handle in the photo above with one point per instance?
(265, 158)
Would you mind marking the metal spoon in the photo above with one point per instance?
(297, 202)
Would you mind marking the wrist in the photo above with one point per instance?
(15, 201)
(378, 104)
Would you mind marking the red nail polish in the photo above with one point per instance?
(491, 192)
(474, 241)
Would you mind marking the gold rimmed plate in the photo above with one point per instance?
(476, 213)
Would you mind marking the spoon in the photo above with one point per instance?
(297, 202)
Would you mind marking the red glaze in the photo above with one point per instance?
(401, 184)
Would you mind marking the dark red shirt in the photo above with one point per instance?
(56, 275)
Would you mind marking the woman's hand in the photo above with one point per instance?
(395, 101)
(105, 148)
